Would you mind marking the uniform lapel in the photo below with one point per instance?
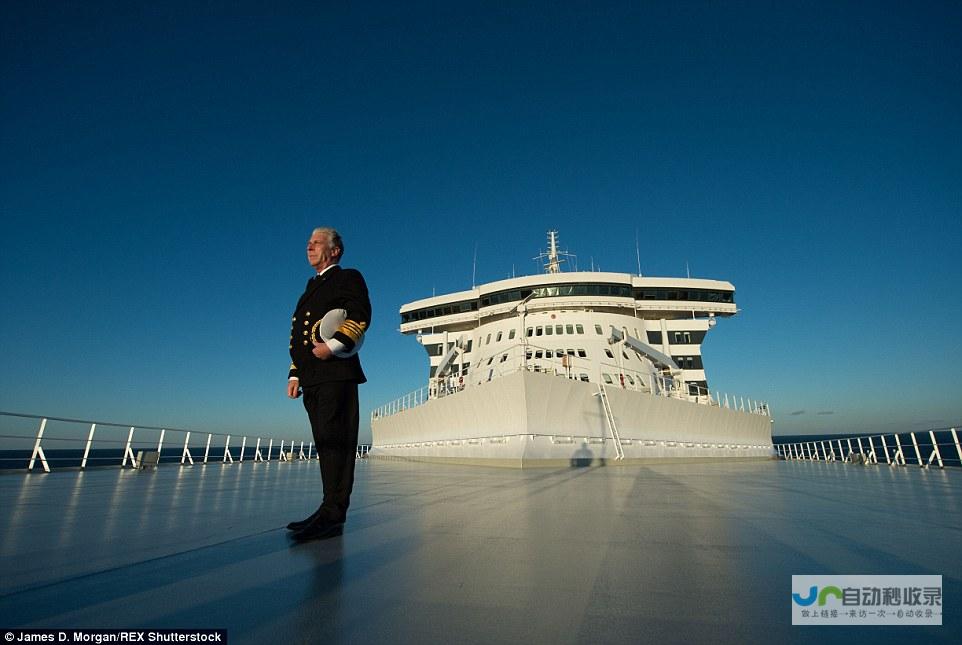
(314, 283)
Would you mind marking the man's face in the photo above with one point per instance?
(319, 255)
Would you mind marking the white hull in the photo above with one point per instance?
(536, 419)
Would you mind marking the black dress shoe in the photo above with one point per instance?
(297, 526)
(319, 529)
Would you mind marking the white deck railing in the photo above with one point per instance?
(216, 447)
(873, 449)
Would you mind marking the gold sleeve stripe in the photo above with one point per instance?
(352, 330)
(293, 366)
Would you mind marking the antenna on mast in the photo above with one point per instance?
(637, 252)
(474, 268)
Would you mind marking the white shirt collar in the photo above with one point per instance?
(325, 270)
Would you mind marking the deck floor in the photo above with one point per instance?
(445, 554)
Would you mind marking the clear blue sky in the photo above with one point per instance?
(162, 165)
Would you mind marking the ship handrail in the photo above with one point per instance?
(223, 452)
(601, 438)
(867, 451)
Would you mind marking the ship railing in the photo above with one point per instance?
(405, 402)
(937, 446)
(47, 441)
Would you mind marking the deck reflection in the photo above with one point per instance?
(667, 553)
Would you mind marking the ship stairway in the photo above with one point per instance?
(610, 418)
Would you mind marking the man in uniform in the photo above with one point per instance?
(328, 372)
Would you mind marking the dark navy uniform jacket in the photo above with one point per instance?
(337, 289)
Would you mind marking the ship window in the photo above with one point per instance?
(630, 380)
(511, 334)
(687, 338)
(559, 329)
(468, 348)
(584, 377)
(538, 331)
(548, 330)
(571, 352)
(598, 330)
(490, 374)
(529, 331)
(582, 353)
(504, 357)
(569, 329)
(625, 354)
(498, 339)
(487, 341)
(678, 337)
(579, 329)
(527, 354)
(538, 354)
(607, 378)
(609, 354)
(490, 359)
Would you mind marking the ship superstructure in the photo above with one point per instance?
(617, 336)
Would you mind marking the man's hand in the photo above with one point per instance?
(322, 351)
(293, 388)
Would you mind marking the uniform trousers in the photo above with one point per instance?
(333, 411)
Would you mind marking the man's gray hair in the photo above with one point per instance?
(334, 240)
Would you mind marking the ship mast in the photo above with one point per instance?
(553, 255)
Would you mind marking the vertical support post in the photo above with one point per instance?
(270, 448)
(850, 450)
(38, 451)
(257, 451)
(871, 445)
(128, 452)
(160, 445)
(300, 452)
(186, 453)
(243, 446)
(207, 448)
(227, 454)
(898, 452)
(283, 456)
(310, 448)
(935, 449)
(90, 440)
(886, 449)
(860, 451)
(958, 450)
(915, 443)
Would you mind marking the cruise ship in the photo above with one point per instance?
(579, 367)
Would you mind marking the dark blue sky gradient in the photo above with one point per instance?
(161, 168)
